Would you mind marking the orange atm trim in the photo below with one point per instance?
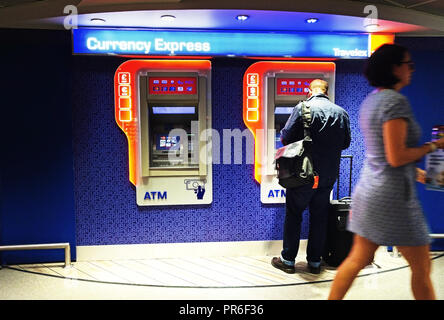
(254, 113)
(126, 92)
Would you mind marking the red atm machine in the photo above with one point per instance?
(164, 108)
(271, 89)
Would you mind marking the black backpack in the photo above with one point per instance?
(293, 162)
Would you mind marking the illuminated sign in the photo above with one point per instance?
(252, 97)
(221, 43)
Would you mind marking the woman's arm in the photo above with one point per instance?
(397, 154)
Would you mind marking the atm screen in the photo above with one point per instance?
(281, 115)
(278, 143)
(173, 110)
(165, 142)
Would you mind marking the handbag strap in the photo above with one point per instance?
(306, 118)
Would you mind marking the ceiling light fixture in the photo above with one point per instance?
(372, 27)
(242, 17)
(311, 20)
(97, 20)
(167, 17)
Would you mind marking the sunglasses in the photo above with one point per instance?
(410, 63)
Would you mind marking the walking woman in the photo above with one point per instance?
(385, 207)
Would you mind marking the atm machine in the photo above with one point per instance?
(278, 88)
(285, 91)
(172, 115)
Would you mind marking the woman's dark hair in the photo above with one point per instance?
(379, 68)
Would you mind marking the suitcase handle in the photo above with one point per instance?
(345, 199)
(350, 182)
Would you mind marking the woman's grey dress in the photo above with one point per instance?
(385, 207)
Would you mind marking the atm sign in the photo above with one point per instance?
(252, 79)
(252, 97)
(252, 92)
(124, 77)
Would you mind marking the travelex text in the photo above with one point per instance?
(150, 42)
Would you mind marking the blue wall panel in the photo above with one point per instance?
(37, 201)
(425, 95)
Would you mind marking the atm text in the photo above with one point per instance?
(155, 195)
(277, 193)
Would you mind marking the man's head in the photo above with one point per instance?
(318, 86)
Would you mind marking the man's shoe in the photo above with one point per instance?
(314, 270)
(277, 263)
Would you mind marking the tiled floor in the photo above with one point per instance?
(229, 278)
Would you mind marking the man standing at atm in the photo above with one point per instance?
(330, 132)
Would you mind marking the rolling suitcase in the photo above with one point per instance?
(339, 240)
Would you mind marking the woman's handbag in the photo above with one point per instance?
(293, 162)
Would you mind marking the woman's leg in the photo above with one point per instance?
(418, 258)
(361, 255)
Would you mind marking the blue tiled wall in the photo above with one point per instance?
(106, 209)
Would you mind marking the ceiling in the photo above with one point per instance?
(402, 17)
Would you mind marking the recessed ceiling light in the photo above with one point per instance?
(242, 17)
(98, 20)
(311, 20)
(167, 17)
(372, 27)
